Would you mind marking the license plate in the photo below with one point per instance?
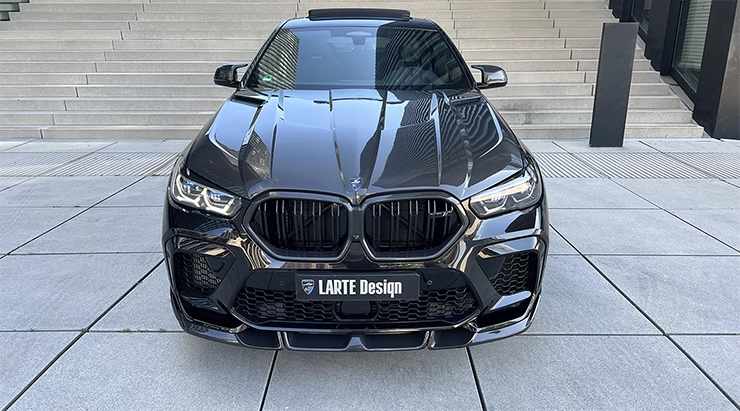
(359, 287)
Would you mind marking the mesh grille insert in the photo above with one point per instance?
(518, 273)
(193, 274)
(279, 308)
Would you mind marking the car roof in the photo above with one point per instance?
(361, 17)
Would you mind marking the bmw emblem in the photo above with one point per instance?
(307, 286)
(356, 183)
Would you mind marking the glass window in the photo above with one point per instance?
(641, 13)
(692, 32)
(385, 57)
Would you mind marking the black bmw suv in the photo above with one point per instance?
(356, 192)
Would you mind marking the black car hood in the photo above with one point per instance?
(356, 143)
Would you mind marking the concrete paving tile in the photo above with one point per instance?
(581, 146)
(146, 308)
(576, 299)
(6, 182)
(703, 145)
(685, 194)
(633, 232)
(592, 373)
(151, 371)
(8, 144)
(64, 192)
(147, 192)
(24, 355)
(148, 146)
(590, 193)
(719, 356)
(721, 224)
(104, 230)
(20, 225)
(43, 146)
(542, 146)
(65, 292)
(558, 245)
(681, 294)
(418, 380)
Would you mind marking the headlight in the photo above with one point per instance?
(189, 193)
(519, 193)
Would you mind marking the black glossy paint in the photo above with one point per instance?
(393, 141)
(449, 144)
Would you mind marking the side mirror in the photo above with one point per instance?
(492, 76)
(226, 75)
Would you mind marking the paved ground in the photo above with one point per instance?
(640, 305)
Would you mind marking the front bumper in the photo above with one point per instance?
(477, 257)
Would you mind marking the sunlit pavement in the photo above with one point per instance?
(639, 309)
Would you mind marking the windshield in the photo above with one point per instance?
(385, 57)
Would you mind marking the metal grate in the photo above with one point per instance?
(639, 165)
(410, 225)
(720, 165)
(33, 164)
(117, 164)
(564, 165)
(302, 228)
(166, 169)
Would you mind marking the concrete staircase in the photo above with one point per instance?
(127, 69)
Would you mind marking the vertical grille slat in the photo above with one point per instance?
(301, 228)
(419, 226)
(312, 228)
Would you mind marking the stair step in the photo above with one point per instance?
(581, 102)
(46, 67)
(565, 131)
(37, 91)
(57, 34)
(87, 7)
(189, 44)
(90, 132)
(145, 67)
(672, 116)
(504, 23)
(413, 6)
(514, 32)
(29, 104)
(143, 104)
(157, 91)
(493, 5)
(133, 118)
(508, 44)
(52, 55)
(64, 25)
(199, 34)
(84, 16)
(135, 69)
(150, 78)
(56, 45)
(42, 79)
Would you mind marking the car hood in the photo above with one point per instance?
(356, 143)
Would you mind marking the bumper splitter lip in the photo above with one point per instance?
(410, 340)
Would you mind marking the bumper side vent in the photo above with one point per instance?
(193, 274)
(518, 273)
